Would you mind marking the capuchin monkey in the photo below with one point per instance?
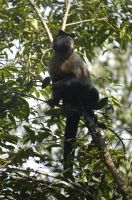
(72, 84)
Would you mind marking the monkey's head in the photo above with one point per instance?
(63, 42)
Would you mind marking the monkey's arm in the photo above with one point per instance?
(58, 87)
(67, 82)
(72, 80)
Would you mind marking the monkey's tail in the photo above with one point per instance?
(72, 122)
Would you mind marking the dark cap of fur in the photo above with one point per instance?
(63, 42)
(60, 32)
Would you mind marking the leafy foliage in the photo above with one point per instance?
(31, 133)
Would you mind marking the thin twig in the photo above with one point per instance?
(42, 20)
(87, 20)
(31, 96)
(120, 139)
(68, 5)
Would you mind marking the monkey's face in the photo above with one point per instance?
(63, 42)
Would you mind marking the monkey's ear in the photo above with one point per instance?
(60, 32)
(72, 35)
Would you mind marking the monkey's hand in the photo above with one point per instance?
(53, 102)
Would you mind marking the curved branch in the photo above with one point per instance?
(123, 145)
(42, 20)
(68, 5)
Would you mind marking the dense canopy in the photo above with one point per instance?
(31, 133)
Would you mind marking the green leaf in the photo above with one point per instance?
(116, 101)
(109, 110)
(102, 103)
(28, 129)
(45, 82)
(10, 138)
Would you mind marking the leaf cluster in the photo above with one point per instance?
(31, 133)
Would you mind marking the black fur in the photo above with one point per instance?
(71, 83)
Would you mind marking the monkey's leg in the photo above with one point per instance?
(72, 122)
(89, 97)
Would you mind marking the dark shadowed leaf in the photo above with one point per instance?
(102, 103)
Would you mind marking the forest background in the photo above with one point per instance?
(31, 133)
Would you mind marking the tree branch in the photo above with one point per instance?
(68, 5)
(42, 20)
(99, 142)
(87, 20)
